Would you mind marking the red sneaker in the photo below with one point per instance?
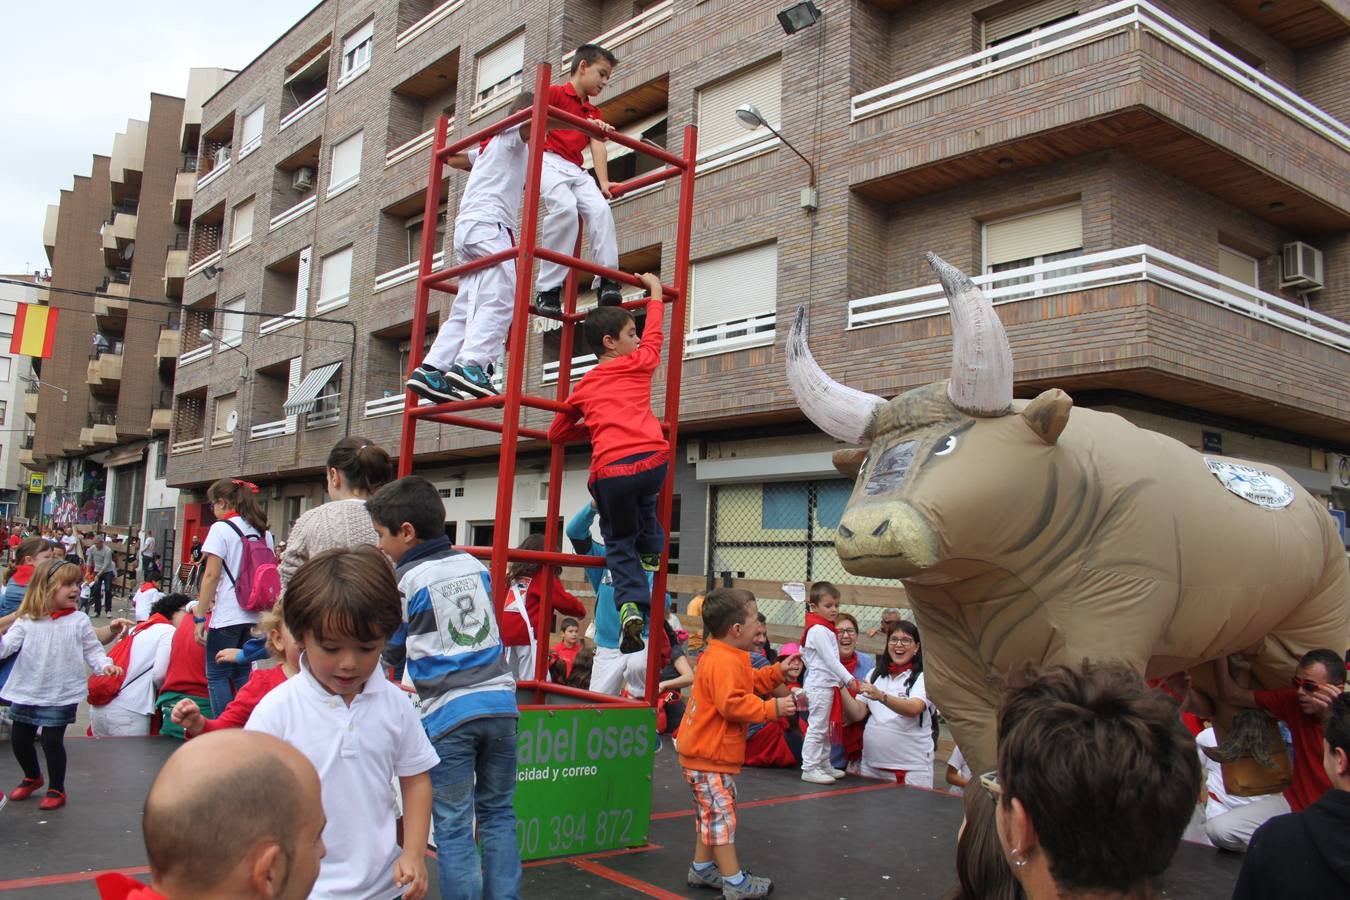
(53, 800)
(26, 788)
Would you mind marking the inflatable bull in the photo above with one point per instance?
(1030, 531)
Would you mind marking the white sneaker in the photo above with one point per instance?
(837, 773)
(817, 776)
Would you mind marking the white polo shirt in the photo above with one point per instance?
(895, 741)
(358, 751)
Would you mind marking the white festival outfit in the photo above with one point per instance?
(824, 673)
(129, 713)
(893, 741)
(566, 188)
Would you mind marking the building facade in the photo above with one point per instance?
(18, 395)
(1157, 193)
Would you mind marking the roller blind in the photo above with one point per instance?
(1002, 27)
(501, 62)
(251, 130)
(335, 278)
(232, 322)
(1238, 266)
(346, 165)
(302, 283)
(733, 287)
(242, 226)
(1033, 234)
(717, 104)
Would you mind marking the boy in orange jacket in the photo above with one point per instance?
(712, 737)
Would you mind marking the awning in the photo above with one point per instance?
(301, 400)
(125, 455)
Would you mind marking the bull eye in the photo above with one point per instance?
(891, 467)
(947, 446)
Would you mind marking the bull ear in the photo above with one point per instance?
(849, 462)
(1048, 414)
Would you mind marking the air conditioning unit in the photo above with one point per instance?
(303, 180)
(1301, 266)
(222, 156)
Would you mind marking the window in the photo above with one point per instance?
(1239, 266)
(722, 320)
(6, 323)
(226, 418)
(356, 52)
(345, 169)
(328, 404)
(232, 322)
(414, 226)
(161, 458)
(480, 533)
(1009, 26)
(719, 130)
(625, 163)
(251, 131)
(335, 280)
(241, 225)
(306, 83)
(4, 411)
(6, 362)
(500, 73)
(1032, 239)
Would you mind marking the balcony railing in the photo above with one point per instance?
(1082, 29)
(195, 354)
(272, 429)
(424, 24)
(405, 273)
(267, 326)
(580, 366)
(298, 113)
(626, 31)
(416, 145)
(209, 260)
(208, 177)
(330, 412)
(1096, 270)
(191, 445)
(391, 405)
(725, 337)
(295, 212)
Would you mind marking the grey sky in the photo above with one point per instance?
(74, 71)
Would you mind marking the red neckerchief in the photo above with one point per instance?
(116, 886)
(148, 586)
(23, 574)
(816, 619)
(62, 613)
(851, 736)
(893, 669)
(229, 515)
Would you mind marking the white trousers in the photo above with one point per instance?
(612, 671)
(913, 777)
(816, 745)
(1233, 830)
(115, 721)
(566, 189)
(479, 319)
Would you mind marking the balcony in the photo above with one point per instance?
(190, 445)
(299, 112)
(1142, 320)
(111, 312)
(426, 23)
(118, 235)
(273, 429)
(416, 145)
(175, 272)
(404, 274)
(642, 23)
(184, 188)
(290, 215)
(104, 375)
(389, 405)
(127, 162)
(161, 415)
(26, 458)
(327, 412)
(100, 429)
(1126, 76)
(49, 230)
(167, 349)
(210, 259)
(30, 399)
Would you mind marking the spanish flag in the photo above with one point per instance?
(34, 330)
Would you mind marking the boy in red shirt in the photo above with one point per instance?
(629, 450)
(712, 736)
(566, 187)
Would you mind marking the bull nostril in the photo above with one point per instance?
(881, 529)
(846, 531)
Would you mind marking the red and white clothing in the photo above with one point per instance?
(894, 742)
(522, 616)
(129, 712)
(825, 673)
(1309, 780)
(258, 686)
(222, 541)
(566, 189)
(1231, 821)
(147, 595)
(116, 886)
(186, 673)
(58, 654)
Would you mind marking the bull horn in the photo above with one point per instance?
(981, 381)
(836, 409)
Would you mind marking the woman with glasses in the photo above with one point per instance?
(898, 738)
(846, 754)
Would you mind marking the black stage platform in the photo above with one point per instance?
(854, 840)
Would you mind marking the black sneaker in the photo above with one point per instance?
(433, 385)
(549, 301)
(470, 380)
(631, 617)
(609, 292)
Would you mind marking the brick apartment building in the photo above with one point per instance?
(1159, 192)
(103, 401)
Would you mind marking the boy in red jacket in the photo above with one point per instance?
(712, 736)
(628, 450)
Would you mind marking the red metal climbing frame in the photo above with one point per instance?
(513, 401)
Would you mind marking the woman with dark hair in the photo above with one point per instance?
(356, 469)
(235, 504)
(522, 607)
(846, 752)
(981, 871)
(898, 738)
(130, 711)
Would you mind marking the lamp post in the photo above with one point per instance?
(751, 118)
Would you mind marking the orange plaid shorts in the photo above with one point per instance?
(714, 806)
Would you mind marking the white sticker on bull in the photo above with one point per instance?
(1251, 484)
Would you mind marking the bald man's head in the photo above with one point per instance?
(221, 797)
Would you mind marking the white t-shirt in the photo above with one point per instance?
(145, 599)
(496, 181)
(894, 741)
(71, 543)
(958, 762)
(224, 542)
(358, 751)
(1219, 800)
(145, 669)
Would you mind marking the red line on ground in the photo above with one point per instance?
(66, 878)
(791, 798)
(628, 881)
(599, 854)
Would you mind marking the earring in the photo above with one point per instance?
(1018, 859)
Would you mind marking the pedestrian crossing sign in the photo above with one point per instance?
(37, 482)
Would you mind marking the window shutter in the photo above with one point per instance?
(224, 406)
(302, 284)
(358, 37)
(998, 28)
(232, 322)
(1238, 266)
(733, 287)
(346, 164)
(501, 62)
(1034, 234)
(293, 376)
(717, 105)
(636, 130)
(251, 130)
(335, 278)
(243, 222)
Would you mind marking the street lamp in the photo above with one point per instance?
(795, 18)
(751, 118)
(65, 394)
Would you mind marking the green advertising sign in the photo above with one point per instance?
(583, 780)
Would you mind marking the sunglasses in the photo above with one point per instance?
(989, 781)
(1306, 686)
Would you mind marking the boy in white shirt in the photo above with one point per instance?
(357, 728)
(455, 366)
